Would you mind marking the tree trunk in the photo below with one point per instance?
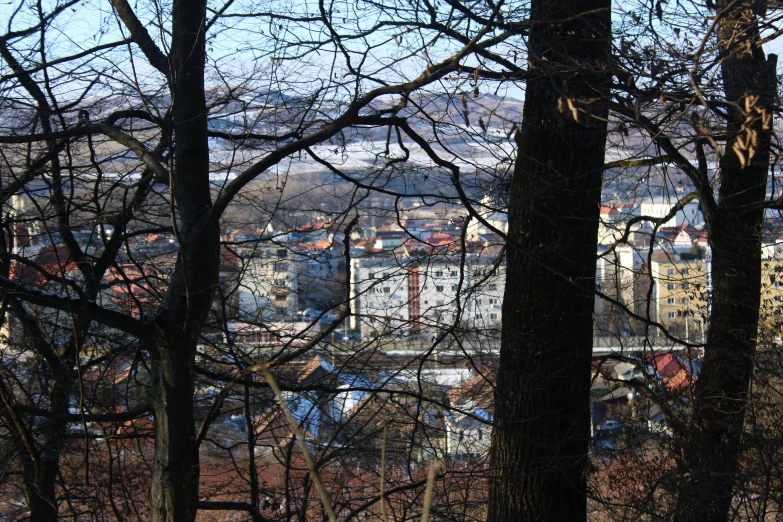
(40, 483)
(175, 475)
(41, 442)
(711, 453)
(540, 441)
(252, 470)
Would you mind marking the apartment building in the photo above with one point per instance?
(681, 284)
(771, 310)
(267, 286)
(402, 295)
(614, 279)
(380, 295)
(279, 279)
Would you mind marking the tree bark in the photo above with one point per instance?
(40, 460)
(712, 449)
(540, 441)
(40, 477)
(175, 474)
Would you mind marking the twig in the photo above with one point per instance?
(300, 440)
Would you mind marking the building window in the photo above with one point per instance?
(372, 275)
(671, 315)
(386, 290)
(671, 300)
(684, 271)
(453, 273)
(493, 301)
(282, 253)
(670, 271)
(492, 288)
(439, 289)
(686, 300)
(439, 273)
(453, 288)
(479, 301)
(685, 286)
(281, 267)
(493, 316)
(670, 286)
(778, 299)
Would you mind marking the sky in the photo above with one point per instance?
(91, 22)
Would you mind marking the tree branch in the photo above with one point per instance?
(232, 506)
(131, 414)
(142, 38)
(83, 307)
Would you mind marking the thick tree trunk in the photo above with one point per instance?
(712, 450)
(40, 483)
(175, 473)
(540, 441)
(41, 495)
(175, 476)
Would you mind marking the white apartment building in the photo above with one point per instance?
(613, 221)
(659, 207)
(614, 274)
(614, 279)
(267, 284)
(401, 296)
(380, 295)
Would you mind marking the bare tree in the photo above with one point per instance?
(108, 144)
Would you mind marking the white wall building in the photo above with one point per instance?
(268, 284)
(400, 295)
(468, 435)
(379, 293)
(614, 274)
(659, 207)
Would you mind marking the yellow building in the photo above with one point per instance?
(680, 294)
(771, 310)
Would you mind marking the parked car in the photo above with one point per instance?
(610, 427)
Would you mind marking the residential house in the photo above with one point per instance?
(469, 418)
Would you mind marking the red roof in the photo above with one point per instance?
(667, 365)
(440, 238)
(318, 245)
(314, 371)
(477, 389)
(55, 262)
